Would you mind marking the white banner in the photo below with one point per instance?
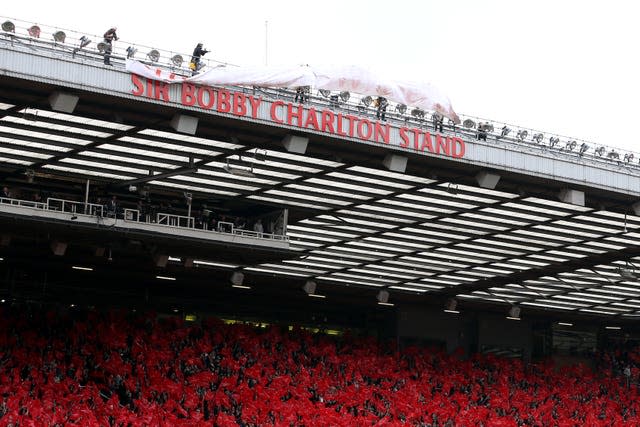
(342, 78)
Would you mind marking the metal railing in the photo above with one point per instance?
(498, 132)
(76, 208)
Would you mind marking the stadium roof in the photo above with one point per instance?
(352, 224)
(428, 233)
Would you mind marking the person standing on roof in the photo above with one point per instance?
(198, 52)
(109, 37)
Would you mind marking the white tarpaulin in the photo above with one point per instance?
(339, 78)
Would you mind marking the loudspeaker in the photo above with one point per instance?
(310, 287)
(395, 163)
(237, 278)
(295, 144)
(574, 197)
(184, 124)
(58, 248)
(63, 102)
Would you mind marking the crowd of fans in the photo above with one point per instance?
(128, 369)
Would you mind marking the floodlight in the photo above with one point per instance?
(600, 151)
(344, 96)
(325, 93)
(583, 148)
(401, 108)
(538, 137)
(553, 140)
(102, 47)
(613, 155)
(366, 101)
(628, 157)
(418, 113)
(131, 52)
(505, 131)
(34, 31)
(84, 41)
(522, 134)
(153, 55)
(570, 145)
(177, 60)
(59, 36)
(9, 27)
(470, 124)
(488, 127)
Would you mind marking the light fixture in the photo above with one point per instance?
(418, 113)
(583, 148)
(470, 124)
(613, 155)
(627, 273)
(84, 41)
(131, 52)
(451, 306)
(505, 131)
(102, 47)
(344, 96)
(600, 151)
(486, 126)
(77, 267)
(325, 93)
(628, 157)
(538, 137)
(34, 31)
(8, 27)
(565, 324)
(177, 60)
(165, 278)
(514, 313)
(401, 108)
(522, 134)
(241, 287)
(238, 171)
(59, 36)
(153, 55)
(553, 140)
(570, 145)
(366, 101)
(615, 328)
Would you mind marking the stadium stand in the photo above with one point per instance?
(93, 368)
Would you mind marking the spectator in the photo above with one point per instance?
(6, 193)
(258, 228)
(198, 52)
(113, 207)
(109, 37)
(302, 94)
(382, 104)
(438, 122)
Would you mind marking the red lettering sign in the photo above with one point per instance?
(280, 112)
